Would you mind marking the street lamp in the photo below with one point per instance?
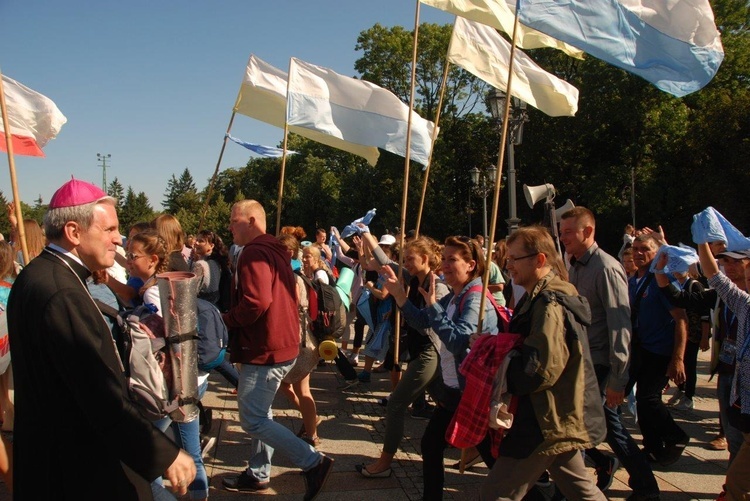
(518, 116)
(483, 183)
(103, 160)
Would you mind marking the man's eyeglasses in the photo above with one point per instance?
(132, 257)
(511, 260)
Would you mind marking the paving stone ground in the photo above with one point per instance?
(352, 430)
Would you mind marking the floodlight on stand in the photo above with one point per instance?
(534, 194)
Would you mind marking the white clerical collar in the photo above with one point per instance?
(67, 253)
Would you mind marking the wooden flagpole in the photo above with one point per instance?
(496, 200)
(13, 181)
(204, 212)
(283, 156)
(404, 196)
(281, 178)
(500, 158)
(432, 148)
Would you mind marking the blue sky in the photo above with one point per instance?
(153, 83)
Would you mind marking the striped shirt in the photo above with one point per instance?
(738, 302)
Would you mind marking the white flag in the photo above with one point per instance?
(263, 97)
(481, 51)
(34, 119)
(500, 14)
(355, 111)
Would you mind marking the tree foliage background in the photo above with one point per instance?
(680, 155)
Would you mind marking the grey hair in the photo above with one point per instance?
(56, 219)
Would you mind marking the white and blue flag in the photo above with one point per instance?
(674, 44)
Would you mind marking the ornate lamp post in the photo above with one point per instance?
(483, 183)
(518, 116)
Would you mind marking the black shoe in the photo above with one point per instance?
(315, 478)
(243, 483)
(673, 451)
(605, 475)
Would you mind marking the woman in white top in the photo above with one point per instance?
(313, 265)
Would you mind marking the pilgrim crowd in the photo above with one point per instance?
(530, 377)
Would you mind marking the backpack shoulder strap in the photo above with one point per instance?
(473, 288)
(503, 314)
(107, 310)
(308, 282)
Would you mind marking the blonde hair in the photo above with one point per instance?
(317, 260)
(35, 240)
(169, 228)
(426, 246)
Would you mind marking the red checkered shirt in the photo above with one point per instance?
(471, 421)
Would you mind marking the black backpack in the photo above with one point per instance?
(327, 311)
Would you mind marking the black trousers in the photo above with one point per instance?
(649, 372)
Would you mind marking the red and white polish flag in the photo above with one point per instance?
(34, 119)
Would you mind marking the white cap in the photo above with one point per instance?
(387, 240)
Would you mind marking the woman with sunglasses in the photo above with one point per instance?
(453, 319)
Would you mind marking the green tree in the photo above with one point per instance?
(135, 208)
(116, 190)
(683, 154)
(181, 194)
(36, 211)
(4, 222)
(386, 61)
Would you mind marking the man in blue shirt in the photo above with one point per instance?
(658, 347)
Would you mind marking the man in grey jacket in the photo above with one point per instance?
(600, 278)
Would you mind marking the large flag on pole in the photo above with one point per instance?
(354, 110)
(480, 50)
(674, 44)
(263, 97)
(34, 119)
(500, 14)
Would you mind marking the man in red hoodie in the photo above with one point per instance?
(264, 338)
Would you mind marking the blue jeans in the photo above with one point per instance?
(732, 434)
(187, 436)
(256, 391)
(642, 479)
(227, 370)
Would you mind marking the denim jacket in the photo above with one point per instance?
(455, 331)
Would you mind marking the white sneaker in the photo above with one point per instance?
(676, 397)
(685, 404)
